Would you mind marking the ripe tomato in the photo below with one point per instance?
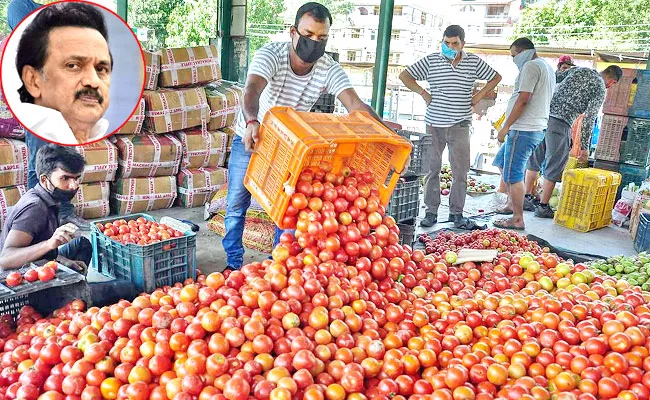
(13, 279)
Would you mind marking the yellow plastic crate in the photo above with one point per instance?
(291, 141)
(587, 198)
(574, 163)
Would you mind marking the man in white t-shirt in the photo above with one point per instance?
(292, 74)
(526, 120)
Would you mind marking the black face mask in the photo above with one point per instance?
(309, 50)
(62, 196)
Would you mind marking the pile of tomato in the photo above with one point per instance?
(496, 239)
(138, 231)
(343, 311)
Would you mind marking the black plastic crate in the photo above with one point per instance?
(637, 144)
(642, 239)
(406, 234)
(324, 104)
(404, 204)
(421, 142)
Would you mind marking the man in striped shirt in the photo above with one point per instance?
(292, 74)
(451, 75)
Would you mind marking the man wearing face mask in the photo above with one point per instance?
(292, 74)
(526, 119)
(451, 75)
(32, 231)
(579, 91)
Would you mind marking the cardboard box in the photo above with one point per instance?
(13, 164)
(134, 125)
(225, 102)
(136, 195)
(175, 110)
(8, 198)
(231, 135)
(203, 148)
(9, 126)
(148, 155)
(197, 186)
(92, 200)
(188, 66)
(101, 161)
(152, 71)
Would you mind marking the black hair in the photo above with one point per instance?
(523, 43)
(318, 11)
(614, 71)
(33, 45)
(52, 156)
(454, 31)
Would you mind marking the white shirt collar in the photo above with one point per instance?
(50, 124)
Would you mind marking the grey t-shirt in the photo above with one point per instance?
(537, 77)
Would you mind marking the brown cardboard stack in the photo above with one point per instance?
(147, 165)
(197, 186)
(189, 66)
(174, 110)
(136, 195)
(203, 148)
(231, 135)
(13, 174)
(92, 199)
(135, 123)
(9, 196)
(225, 100)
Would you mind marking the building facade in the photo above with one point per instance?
(487, 21)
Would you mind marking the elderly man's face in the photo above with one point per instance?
(76, 77)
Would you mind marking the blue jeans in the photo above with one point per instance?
(237, 203)
(78, 249)
(517, 149)
(34, 143)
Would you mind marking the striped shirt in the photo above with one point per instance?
(285, 88)
(450, 87)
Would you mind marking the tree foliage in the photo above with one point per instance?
(263, 17)
(193, 23)
(596, 24)
(154, 15)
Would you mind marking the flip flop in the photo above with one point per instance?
(507, 224)
(504, 211)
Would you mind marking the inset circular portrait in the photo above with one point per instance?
(72, 72)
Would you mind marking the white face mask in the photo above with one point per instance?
(522, 58)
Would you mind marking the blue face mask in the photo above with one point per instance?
(448, 52)
(522, 58)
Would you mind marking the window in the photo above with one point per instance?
(375, 10)
(370, 56)
(394, 58)
(397, 10)
(493, 30)
(394, 35)
(352, 56)
(496, 11)
(363, 11)
(373, 34)
(423, 18)
(356, 33)
(421, 42)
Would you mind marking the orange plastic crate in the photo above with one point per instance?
(291, 141)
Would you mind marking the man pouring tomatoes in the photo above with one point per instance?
(32, 231)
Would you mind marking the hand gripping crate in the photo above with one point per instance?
(291, 141)
(620, 96)
(642, 238)
(404, 204)
(637, 144)
(587, 199)
(421, 143)
(612, 130)
(147, 267)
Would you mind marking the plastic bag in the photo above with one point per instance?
(623, 208)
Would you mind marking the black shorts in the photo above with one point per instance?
(552, 154)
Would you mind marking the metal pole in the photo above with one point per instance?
(647, 66)
(123, 9)
(383, 50)
(225, 20)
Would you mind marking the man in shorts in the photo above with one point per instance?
(526, 119)
(579, 91)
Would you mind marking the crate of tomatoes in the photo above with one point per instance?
(18, 286)
(137, 248)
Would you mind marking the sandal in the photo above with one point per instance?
(504, 211)
(507, 224)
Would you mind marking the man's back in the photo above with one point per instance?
(579, 90)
